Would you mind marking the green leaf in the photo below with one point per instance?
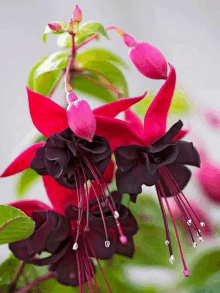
(25, 181)
(52, 285)
(212, 285)
(7, 269)
(88, 29)
(31, 76)
(180, 104)
(82, 85)
(64, 41)
(204, 267)
(14, 225)
(45, 82)
(55, 61)
(109, 70)
(48, 31)
(100, 54)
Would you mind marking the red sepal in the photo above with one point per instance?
(29, 205)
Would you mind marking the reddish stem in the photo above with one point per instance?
(96, 36)
(70, 62)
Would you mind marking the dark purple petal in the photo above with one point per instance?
(180, 174)
(125, 249)
(127, 221)
(19, 248)
(170, 134)
(38, 162)
(131, 181)
(188, 155)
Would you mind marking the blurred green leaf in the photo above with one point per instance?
(45, 82)
(7, 269)
(100, 54)
(88, 29)
(52, 285)
(203, 268)
(180, 104)
(64, 41)
(82, 85)
(30, 82)
(108, 69)
(14, 225)
(25, 181)
(212, 285)
(55, 61)
(48, 31)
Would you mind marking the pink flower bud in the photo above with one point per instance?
(77, 14)
(54, 26)
(209, 178)
(71, 97)
(148, 59)
(81, 119)
(129, 40)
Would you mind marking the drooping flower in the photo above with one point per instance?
(74, 237)
(148, 59)
(159, 160)
(68, 162)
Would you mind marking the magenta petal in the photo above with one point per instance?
(58, 195)
(149, 61)
(135, 122)
(30, 205)
(81, 119)
(156, 116)
(117, 132)
(114, 108)
(47, 116)
(23, 161)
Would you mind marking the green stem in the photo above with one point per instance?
(16, 276)
(36, 282)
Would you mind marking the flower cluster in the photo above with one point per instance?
(87, 220)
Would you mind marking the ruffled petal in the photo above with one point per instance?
(30, 205)
(47, 116)
(156, 116)
(114, 108)
(188, 155)
(23, 161)
(170, 134)
(59, 195)
(125, 249)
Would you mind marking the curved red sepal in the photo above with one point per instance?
(59, 195)
(135, 122)
(117, 132)
(23, 161)
(114, 108)
(29, 205)
(109, 172)
(156, 116)
(47, 116)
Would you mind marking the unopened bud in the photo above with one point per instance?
(129, 40)
(77, 14)
(71, 97)
(54, 26)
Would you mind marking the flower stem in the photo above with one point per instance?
(16, 276)
(96, 36)
(56, 86)
(70, 62)
(29, 286)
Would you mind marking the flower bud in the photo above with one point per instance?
(148, 59)
(54, 26)
(77, 14)
(81, 119)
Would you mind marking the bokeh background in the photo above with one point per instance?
(186, 32)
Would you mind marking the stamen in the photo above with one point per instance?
(202, 224)
(201, 239)
(174, 226)
(189, 222)
(195, 244)
(167, 242)
(116, 214)
(123, 239)
(75, 246)
(171, 259)
(107, 243)
(186, 273)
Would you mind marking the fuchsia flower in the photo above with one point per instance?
(209, 179)
(73, 237)
(157, 158)
(148, 59)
